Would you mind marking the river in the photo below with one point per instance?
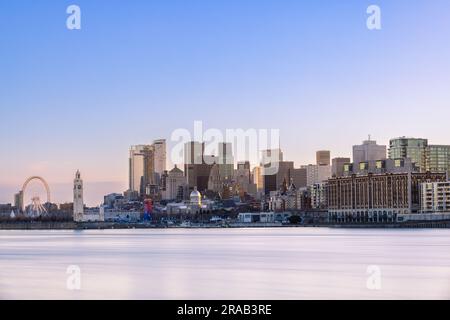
(272, 263)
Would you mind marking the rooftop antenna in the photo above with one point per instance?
(369, 137)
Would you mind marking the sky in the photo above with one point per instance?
(138, 70)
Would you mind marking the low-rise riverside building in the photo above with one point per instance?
(317, 194)
(197, 204)
(289, 199)
(435, 197)
(254, 217)
(112, 215)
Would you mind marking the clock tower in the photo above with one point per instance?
(78, 204)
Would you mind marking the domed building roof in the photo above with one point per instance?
(196, 194)
(196, 197)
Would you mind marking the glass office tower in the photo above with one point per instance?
(438, 157)
(413, 148)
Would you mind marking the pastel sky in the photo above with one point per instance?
(137, 70)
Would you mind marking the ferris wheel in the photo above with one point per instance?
(36, 208)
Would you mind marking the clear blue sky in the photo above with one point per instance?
(137, 70)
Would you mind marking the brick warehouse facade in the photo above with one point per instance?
(376, 197)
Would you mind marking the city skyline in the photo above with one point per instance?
(62, 192)
(79, 99)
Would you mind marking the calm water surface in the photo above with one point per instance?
(291, 263)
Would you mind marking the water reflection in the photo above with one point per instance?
(292, 263)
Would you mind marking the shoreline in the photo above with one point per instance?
(123, 226)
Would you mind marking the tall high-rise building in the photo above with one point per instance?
(369, 150)
(222, 168)
(438, 158)
(427, 157)
(243, 175)
(18, 201)
(284, 174)
(274, 170)
(141, 168)
(317, 174)
(258, 178)
(337, 167)
(270, 183)
(226, 160)
(412, 148)
(274, 182)
(323, 158)
(197, 166)
(175, 184)
(215, 182)
(270, 160)
(299, 177)
(160, 156)
(193, 153)
(271, 155)
(244, 165)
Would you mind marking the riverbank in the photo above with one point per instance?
(115, 225)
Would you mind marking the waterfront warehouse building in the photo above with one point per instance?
(377, 191)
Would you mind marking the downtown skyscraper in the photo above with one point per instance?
(141, 168)
(369, 150)
(147, 164)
